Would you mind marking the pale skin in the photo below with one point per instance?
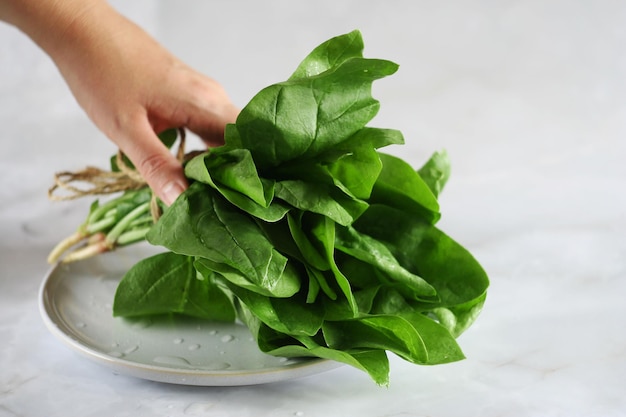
(129, 85)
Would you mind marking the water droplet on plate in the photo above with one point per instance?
(81, 325)
(142, 323)
(115, 354)
(194, 347)
(171, 360)
(131, 349)
(213, 332)
(227, 338)
(178, 341)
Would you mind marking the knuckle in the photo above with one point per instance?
(153, 166)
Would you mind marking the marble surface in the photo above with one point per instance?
(529, 99)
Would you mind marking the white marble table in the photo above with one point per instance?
(529, 99)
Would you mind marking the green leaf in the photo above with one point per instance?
(400, 186)
(339, 309)
(235, 169)
(199, 223)
(372, 361)
(270, 210)
(293, 316)
(428, 252)
(359, 165)
(306, 116)
(459, 318)
(436, 171)
(323, 232)
(352, 165)
(168, 137)
(321, 199)
(373, 252)
(439, 343)
(411, 336)
(330, 54)
(168, 283)
(310, 254)
(319, 281)
(392, 333)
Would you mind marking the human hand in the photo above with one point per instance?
(130, 86)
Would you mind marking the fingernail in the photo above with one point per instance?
(171, 191)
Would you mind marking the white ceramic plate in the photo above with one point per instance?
(76, 305)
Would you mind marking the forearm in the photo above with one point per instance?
(50, 23)
(90, 43)
(66, 30)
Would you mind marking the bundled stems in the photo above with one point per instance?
(121, 221)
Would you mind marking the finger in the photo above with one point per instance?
(206, 123)
(156, 164)
(201, 105)
(209, 124)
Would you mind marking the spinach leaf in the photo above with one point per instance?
(376, 254)
(436, 171)
(372, 361)
(315, 257)
(169, 283)
(201, 224)
(292, 315)
(359, 164)
(330, 54)
(400, 186)
(303, 117)
(323, 234)
(460, 317)
(235, 169)
(428, 252)
(321, 199)
(269, 210)
(392, 333)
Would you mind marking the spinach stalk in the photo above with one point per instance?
(121, 221)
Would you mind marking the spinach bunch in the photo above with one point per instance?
(302, 229)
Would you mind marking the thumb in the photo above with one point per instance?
(156, 164)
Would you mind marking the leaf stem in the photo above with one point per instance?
(86, 252)
(64, 245)
(100, 225)
(125, 222)
(132, 236)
